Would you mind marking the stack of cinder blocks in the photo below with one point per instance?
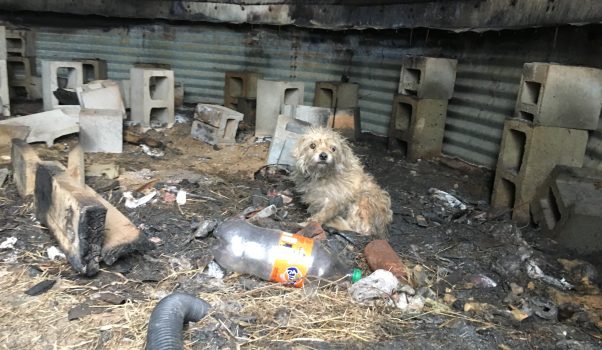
(342, 99)
(4, 93)
(240, 93)
(556, 107)
(420, 107)
(568, 207)
(20, 46)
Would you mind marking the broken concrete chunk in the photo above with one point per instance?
(46, 126)
(101, 94)
(287, 133)
(101, 130)
(109, 170)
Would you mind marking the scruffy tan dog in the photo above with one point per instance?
(336, 188)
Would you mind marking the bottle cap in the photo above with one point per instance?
(356, 276)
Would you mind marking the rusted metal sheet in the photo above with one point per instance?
(460, 15)
(488, 77)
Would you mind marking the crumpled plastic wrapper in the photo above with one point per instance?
(379, 284)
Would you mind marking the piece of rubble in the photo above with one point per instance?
(131, 202)
(55, 253)
(287, 133)
(205, 228)
(108, 170)
(101, 130)
(46, 126)
(8, 243)
(101, 94)
(3, 175)
(380, 255)
(40, 288)
(535, 272)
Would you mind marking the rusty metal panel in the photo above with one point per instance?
(489, 66)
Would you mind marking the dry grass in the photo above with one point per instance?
(269, 313)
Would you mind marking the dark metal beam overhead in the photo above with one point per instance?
(458, 15)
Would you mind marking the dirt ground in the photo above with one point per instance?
(477, 272)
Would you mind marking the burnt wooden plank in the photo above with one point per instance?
(75, 217)
(24, 162)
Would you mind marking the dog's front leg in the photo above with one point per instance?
(326, 212)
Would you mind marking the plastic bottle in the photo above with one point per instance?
(275, 255)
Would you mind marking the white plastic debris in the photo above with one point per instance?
(131, 202)
(535, 272)
(151, 151)
(266, 212)
(181, 118)
(8, 243)
(181, 197)
(447, 199)
(379, 284)
(54, 252)
(214, 270)
(408, 303)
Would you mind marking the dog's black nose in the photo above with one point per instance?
(323, 156)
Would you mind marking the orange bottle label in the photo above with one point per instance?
(293, 259)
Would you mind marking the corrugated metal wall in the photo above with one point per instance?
(489, 66)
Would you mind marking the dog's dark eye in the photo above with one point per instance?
(312, 146)
(333, 148)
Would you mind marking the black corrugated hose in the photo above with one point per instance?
(168, 317)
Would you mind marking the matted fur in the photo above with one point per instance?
(335, 187)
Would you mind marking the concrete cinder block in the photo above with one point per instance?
(20, 42)
(417, 125)
(527, 155)
(21, 71)
(216, 125)
(101, 130)
(240, 84)
(286, 135)
(4, 91)
(334, 94)
(560, 96)
(428, 77)
(178, 94)
(316, 116)
(59, 74)
(347, 122)
(94, 69)
(152, 96)
(101, 94)
(271, 97)
(563, 187)
(248, 107)
(3, 52)
(125, 88)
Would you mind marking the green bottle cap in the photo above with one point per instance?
(356, 276)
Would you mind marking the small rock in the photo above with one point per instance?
(205, 228)
(516, 289)
(78, 312)
(421, 221)
(40, 288)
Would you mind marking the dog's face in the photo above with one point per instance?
(320, 151)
